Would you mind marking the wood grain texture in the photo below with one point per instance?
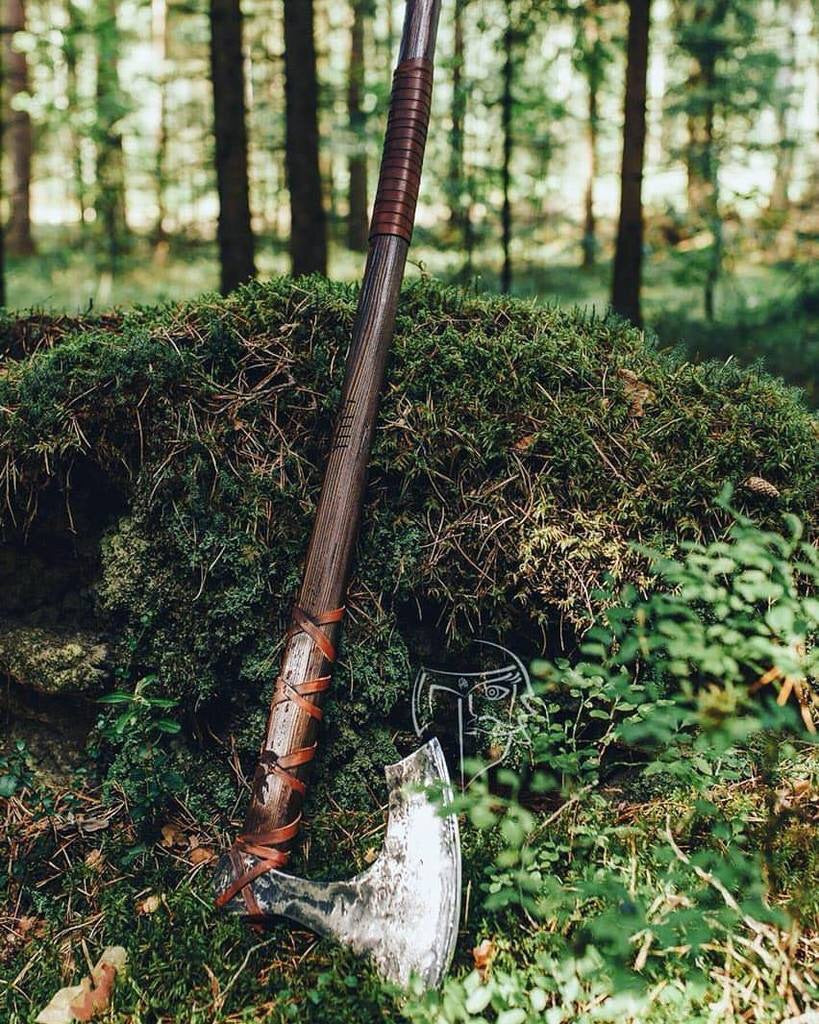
(332, 542)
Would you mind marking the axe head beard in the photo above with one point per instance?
(403, 911)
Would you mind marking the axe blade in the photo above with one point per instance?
(403, 911)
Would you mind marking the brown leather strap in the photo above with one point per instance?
(400, 179)
(263, 845)
(307, 624)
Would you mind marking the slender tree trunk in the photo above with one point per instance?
(712, 210)
(593, 70)
(18, 136)
(2, 141)
(357, 165)
(159, 33)
(696, 186)
(628, 257)
(389, 42)
(235, 235)
(458, 114)
(71, 49)
(110, 201)
(308, 224)
(506, 120)
(785, 151)
(589, 218)
(695, 155)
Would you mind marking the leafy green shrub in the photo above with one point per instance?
(618, 903)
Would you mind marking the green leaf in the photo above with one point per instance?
(478, 1000)
(8, 785)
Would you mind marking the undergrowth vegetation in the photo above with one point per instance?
(539, 477)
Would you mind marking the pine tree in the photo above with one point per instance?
(628, 258)
(235, 234)
(731, 79)
(18, 139)
(159, 39)
(357, 164)
(591, 57)
(71, 47)
(110, 197)
(784, 95)
(2, 142)
(308, 224)
(507, 101)
(455, 183)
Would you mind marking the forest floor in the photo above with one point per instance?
(68, 278)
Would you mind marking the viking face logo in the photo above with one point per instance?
(475, 710)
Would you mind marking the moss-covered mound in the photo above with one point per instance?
(159, 472)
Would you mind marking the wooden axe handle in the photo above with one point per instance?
(289, 740)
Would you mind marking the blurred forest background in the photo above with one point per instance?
(127, 124)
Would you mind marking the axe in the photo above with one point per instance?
(403, 911)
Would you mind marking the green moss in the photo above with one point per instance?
(53, 662)
(521, 452)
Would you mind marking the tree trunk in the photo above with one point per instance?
(712, 211)
(589, 219)
(785, 151)
(357, 224)
(71, 38)
(458, 114)
(593, 57)
(235, 235)
(2, 141)
(110, 200)
(308, 225)
(695, 156)
(159, 34)
(628, 258)
(18, 139)
(506, 120)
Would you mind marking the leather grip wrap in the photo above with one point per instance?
(400, 178)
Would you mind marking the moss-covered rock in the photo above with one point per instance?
(53, 662)
(521, 452)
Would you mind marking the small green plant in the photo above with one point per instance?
(672, 697)
(135, 733)
(14, 771)
(138, 713)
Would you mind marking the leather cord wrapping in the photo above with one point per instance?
(400, 178)
(263, 845)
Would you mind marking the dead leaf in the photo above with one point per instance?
(30, 924)
(201, 855)
(483, 955)
(370, 855)
(149, 905)
(95, 861)
(92, 996)
(638, 393)
(525, 442)
(93, 1000)
(172, 836)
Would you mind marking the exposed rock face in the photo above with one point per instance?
(53, 662)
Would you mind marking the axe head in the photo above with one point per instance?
(404, 909)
